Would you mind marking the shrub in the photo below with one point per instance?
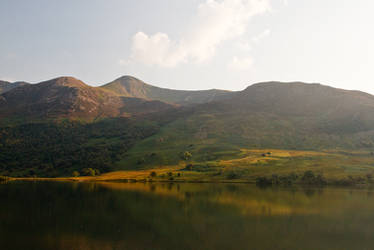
(186, 155)
(141, 161)
(310, 178)
(188, 167)
(97, 172)
(263, 181)
(288, 179)
(88, 172)
(369, 177)
(76, 174)
(232, 175)
(153, 174)
(3, 178)
(277, 180)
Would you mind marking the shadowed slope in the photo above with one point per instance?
(6, 86)
(268, 115)
(71, 98)
(321, 107)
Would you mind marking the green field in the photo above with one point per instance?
(281, 167)
(247, 165)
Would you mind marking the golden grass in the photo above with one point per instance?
(249, 164)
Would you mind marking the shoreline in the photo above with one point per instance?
(124, 180)
(106, 180)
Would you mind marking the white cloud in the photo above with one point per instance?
(257, 39)
(216, 21)
(285, 2)
(244, 45)
(157, 49)
(239, 64)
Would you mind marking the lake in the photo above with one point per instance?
(52, 215)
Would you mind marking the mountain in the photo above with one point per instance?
(268, 115)
(62, 125)
(129, 86)
(315, 107)
(6, 86)
(67, 97)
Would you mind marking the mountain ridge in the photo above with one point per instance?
(130, 86)
(271, 115)
(61, 125)
(6, 86)
(69, 97)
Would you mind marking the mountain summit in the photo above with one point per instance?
(129, 86)
(69, 97)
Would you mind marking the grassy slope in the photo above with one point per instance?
(218, 155)
(221, 159)
(215, 137)
(290, 116)
(247, 165)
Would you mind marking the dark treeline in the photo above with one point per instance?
(60, 148)
(308, 178)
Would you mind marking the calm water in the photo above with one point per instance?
(183, 216)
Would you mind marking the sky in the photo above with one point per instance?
(190, 44)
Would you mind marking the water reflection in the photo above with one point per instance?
(183, 216)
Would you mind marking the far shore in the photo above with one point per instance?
(144, 176)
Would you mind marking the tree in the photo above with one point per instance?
(310, 178)
(369, 178)
(97, 172)
(186, 155)
(76, 174)
(189, 167)
(3, 178)
(88, 172)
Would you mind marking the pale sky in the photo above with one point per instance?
(190, 44)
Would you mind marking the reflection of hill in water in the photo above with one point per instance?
(182, 216)
(252, 200)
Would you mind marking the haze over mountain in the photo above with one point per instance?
(285, 115)
(319, 107)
